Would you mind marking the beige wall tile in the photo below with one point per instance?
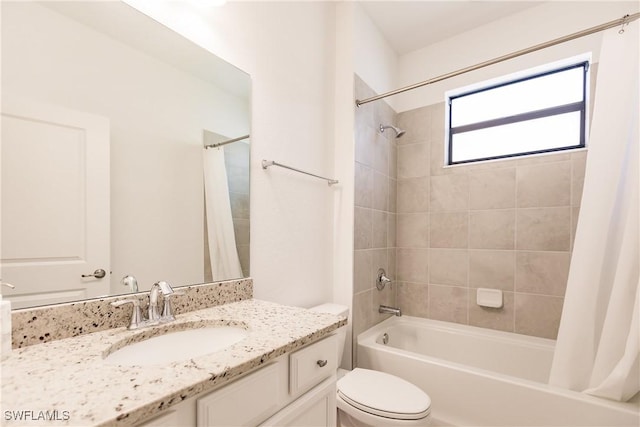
(244, 253)
(392, 230)
(412, 265)
(544, 185)
(493, 189)
(380, 149)
(362, 271)
(362, 319)
(363, 228)
(413, 195)
(436, 158)
(542, 272)
(412, 230)
(413, 299)
(437, 121)
(364, 140)
(240, 206)
(560, 156)
(413, 160)
(578, 163)
(492, 269)
(494, 229)
(448, 303)
(449, 230)
(241, 231)
(501, 319)
(380, 259)
(380, 229)
(448, 267)
(543, 229)
(449, 193)
(380, 191)
(417, 123)
(538, 315)
(393, 160)
(393, 195)
(363, 186)
(391, 264)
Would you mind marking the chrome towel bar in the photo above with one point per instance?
(269, 163)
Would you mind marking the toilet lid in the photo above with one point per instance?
(385, 395)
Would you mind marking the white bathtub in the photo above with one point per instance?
(480, 377)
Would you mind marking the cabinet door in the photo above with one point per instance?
(316, 408)
(247, 401)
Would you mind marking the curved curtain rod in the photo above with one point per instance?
(219, 144)
(625, 20)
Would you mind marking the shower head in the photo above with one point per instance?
(399, 132)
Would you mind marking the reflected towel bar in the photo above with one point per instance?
(268, 163)
(219, 144)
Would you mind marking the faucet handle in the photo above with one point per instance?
(382, 279)
(165, 287)
(167, 310)
(137, 319)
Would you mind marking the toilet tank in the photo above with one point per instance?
(338, 310)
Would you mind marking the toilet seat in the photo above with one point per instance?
(384, 395)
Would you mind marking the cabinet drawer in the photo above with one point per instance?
(245, 402)
(312, 364)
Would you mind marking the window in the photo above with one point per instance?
(537, 113)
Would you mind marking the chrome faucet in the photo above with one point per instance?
(155, 315)
(137, 318)
(389, 310)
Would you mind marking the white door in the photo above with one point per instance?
(55, 203)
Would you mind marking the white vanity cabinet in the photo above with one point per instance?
(296, 389)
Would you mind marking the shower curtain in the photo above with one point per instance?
(223, 253)
(598, 346)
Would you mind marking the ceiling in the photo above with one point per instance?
(411, 25)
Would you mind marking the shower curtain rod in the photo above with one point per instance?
(268, 163)
(219, 144)
(625, 20)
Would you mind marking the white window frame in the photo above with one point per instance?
(583, 60)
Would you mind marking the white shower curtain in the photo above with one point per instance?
(598, 346)
(223, 253)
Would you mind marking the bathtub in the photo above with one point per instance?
(481, 377)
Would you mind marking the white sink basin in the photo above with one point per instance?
(176, 346)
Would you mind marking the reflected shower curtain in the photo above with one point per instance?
(223, 253)
(598, 342)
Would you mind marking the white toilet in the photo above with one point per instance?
(373, 398)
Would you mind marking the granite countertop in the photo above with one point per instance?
(70, 376)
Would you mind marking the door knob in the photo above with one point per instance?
(98, 274)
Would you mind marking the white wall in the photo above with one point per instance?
(286, 48)
(375, 61)
(519, 31)
(157, 114)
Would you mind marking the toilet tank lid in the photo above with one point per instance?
(331, 308)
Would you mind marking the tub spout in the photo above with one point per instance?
(390, 310)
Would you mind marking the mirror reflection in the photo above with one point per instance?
(105, 118)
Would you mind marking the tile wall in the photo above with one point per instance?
(505, 225)
(375, 210)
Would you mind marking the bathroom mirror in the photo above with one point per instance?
(104, 117)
